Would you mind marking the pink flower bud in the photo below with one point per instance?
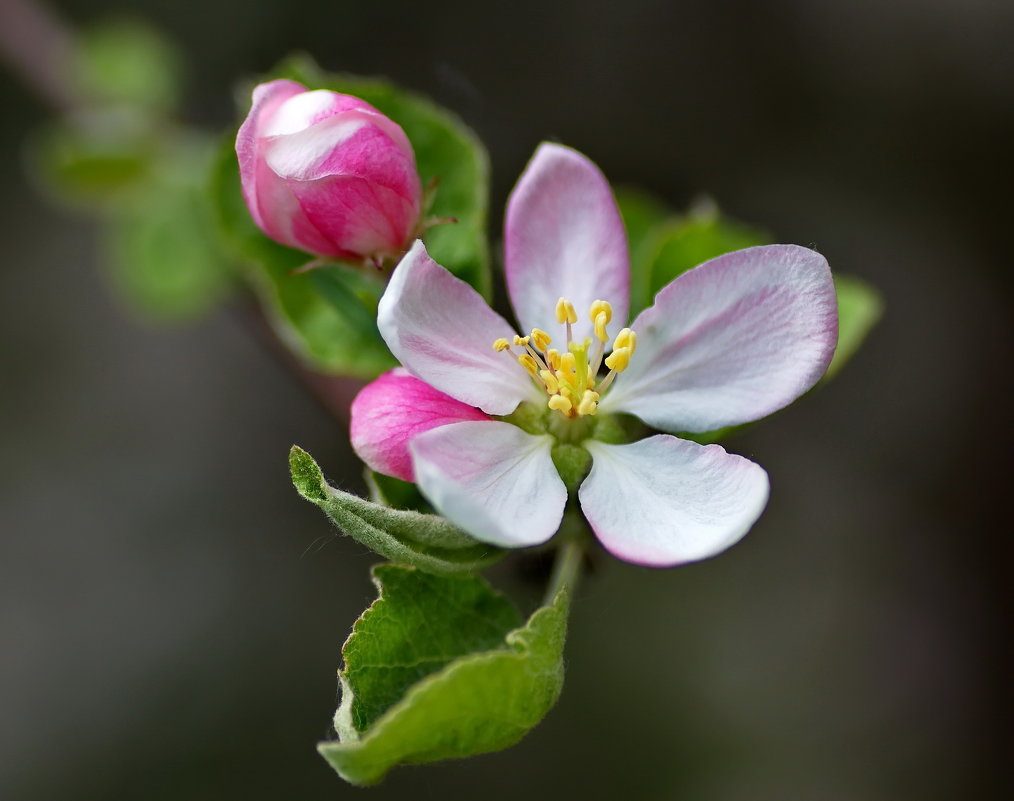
(327, 173)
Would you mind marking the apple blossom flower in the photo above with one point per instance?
(327, 173)
(730, 341)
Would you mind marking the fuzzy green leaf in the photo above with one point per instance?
(859, 308)
(426, 541)
(436, 669)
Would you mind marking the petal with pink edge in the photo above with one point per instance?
(441, 329)
(267, 98)
(665, 501)
(564, 237)
(731, 341)
(389, 412)
(492, 479)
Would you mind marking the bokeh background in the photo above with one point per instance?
(171, 613)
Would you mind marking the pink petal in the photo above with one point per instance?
(443, 332)
(493, 480)
(665, 501)
(267, 97)
(730, 341)
(389, 412)
(563, 237)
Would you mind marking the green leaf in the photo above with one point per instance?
(679, 245)
(471, 685)
(859, 308)
(425, 541)
(394, 492)
(641, 213)
(446, 150)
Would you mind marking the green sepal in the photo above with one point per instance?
(860, 306)
(428, 542)
(474, 683)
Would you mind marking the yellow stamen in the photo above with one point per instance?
(528, 363)
(565, 312)
(567, 369)
(500, 345)
(553, 358)
(589, 402)
(541, 339)
(520, 340)
(627, 338)
(560, 404)
(601, 320)
(552, 385)
(601, 314)
(618, 359)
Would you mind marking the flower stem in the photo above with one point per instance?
(566, 568)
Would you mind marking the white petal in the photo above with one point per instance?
(564, 237)
(443, 332)
(664, 501)
(493, 480)
(731, 341)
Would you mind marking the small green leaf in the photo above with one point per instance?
(425, 541)
(471, 685)
(641, 213)
(859, 308)
(679, 245)
(446, 150)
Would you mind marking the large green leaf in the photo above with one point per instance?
(859, 308)
(426, 541)
(435, 669)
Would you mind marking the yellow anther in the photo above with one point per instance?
(560, 404)
(589, 403)
(601, 307)
(553, 358)
(520, 340)
(541, 339)
(625, 339)
(565, 311)
(528, 363)
(601, 321)
(552, 385)
(500, 345)
(618, 359)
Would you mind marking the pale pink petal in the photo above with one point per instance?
(389, 412)
(443, 332)
(731, 341)
(563, 237)
(664, 501)
(493, 480)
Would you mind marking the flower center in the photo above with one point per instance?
(571, 377)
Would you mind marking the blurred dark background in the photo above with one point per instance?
(171, 613)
